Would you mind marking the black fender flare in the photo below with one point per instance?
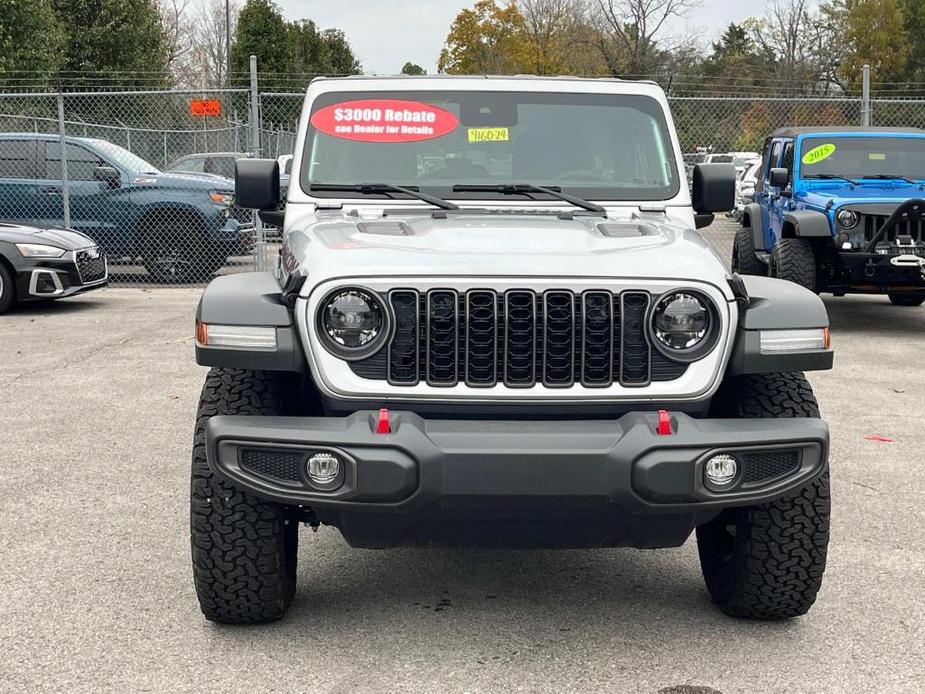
(775, 304)
(752, 218)
(249, 299)
(806, 224)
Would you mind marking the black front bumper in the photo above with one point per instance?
(539, 483)
(54, 278)
(878, 273)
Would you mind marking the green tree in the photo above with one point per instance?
(322, 52)
(341, 60)
(31, 38)
(914, 20)
(410, 68)
(263, 32)
(875, 34)
(116, 37)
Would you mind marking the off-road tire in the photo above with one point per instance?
(7, 289)
(793, 260)
(744, 259)
(902, 299)
(244, 549)
(175, 250)
(766, 561)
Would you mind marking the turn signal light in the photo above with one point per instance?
(238, 336)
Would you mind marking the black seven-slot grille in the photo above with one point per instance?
(557, 338)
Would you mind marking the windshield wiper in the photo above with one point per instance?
(371, 188)
(890, 177)
(526, 189)
(831, 177)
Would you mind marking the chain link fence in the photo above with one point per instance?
(148, 174)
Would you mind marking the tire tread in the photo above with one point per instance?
(243, 549)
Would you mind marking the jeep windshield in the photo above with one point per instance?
(476, 145)
(857, 158)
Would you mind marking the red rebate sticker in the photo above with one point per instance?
(384, 120)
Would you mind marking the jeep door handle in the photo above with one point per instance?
(50, 190)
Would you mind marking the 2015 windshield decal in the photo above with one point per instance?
(384, 120)
(818, 154)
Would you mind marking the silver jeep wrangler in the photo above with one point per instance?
(493, 323)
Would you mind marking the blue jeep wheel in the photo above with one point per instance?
(744, 259)
(793, 260)
(907, 299)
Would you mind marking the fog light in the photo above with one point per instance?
(720, 470)
(324, 470)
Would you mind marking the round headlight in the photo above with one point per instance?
(353, 321)
(847, 219)
(682, 323)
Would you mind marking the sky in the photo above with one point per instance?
(384, 35)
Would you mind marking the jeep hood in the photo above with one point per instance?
(503, 244)
(867, 193)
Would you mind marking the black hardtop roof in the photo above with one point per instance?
(834, 129)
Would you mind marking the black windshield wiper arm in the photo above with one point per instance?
(890, 177)
(831, 177)
(370, 188)
(526, 189)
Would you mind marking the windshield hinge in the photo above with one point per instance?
(652, 208)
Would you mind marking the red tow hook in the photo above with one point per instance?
(383, 426)
(664, 423)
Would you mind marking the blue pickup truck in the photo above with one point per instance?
(839, 210)
(181, 227)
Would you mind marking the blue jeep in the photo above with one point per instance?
(839, 210)
(182, 227)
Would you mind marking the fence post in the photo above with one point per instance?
(865, 96)
(260, 254)
(65, 188)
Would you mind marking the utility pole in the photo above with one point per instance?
(865, 96)
(227, 43)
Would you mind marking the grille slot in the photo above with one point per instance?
(89, 268)
(442, 337)
(279, 465)
(519, 338)
(871, 224)
(404, 356)
(634, 365)
(481, 365)
(597, 336)
(760, 467)
(559, 339)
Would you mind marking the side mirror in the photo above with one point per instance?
(256, 184)
(108, 175)
(777, 177)
(713, 188)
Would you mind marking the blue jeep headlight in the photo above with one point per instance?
(847, 219)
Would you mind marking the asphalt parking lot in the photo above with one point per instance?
(97, 399)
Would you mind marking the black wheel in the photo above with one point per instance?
(744, 259)
(793, 260)
(173, 250)
(244, 549)
(907, 299)
(766, 561)
(7, 289)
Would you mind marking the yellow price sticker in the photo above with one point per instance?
(817, 154)
(489, 135)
